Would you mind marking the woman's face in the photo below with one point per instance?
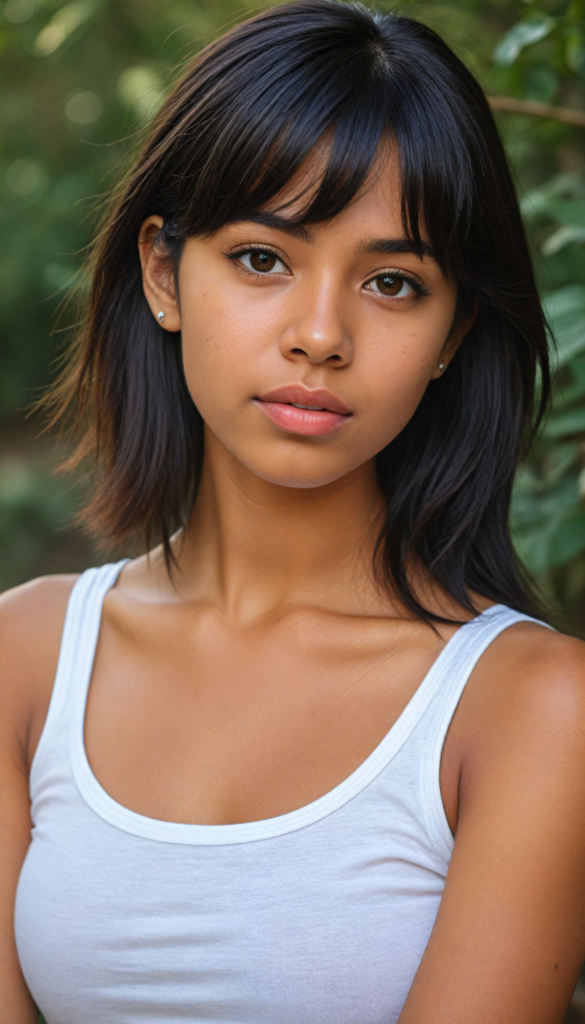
(338, 317)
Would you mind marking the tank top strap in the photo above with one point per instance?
(463, 653)
(78, 645)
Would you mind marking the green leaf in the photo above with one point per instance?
(566, 424)
(521, 35)
(566, 211)
(541, 83)
(562, 237)
(548, 521)
(567, 539)
(565, 310)
(562, 187)
(560, 459)
(575, 51)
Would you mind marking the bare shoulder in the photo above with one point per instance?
(531, 667)
(31, 624)
(525, 702)
(31, 621)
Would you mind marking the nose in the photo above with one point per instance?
(316, 331)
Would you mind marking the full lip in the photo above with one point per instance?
(298, 394)
(300, 410)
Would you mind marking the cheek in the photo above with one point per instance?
(218, 349)
(396, 372)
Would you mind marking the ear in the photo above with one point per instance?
(157, 276)
(454, 339)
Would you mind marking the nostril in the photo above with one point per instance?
(299, 351)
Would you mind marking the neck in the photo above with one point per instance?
(252, 546)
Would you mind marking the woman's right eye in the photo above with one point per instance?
(262, 261)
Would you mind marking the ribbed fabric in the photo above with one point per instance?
(319, 916)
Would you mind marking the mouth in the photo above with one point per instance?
(299, 410)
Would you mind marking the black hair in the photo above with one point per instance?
(235, 130)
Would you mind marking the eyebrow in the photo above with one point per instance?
(397, 245)
(376, 245)
(274, 220)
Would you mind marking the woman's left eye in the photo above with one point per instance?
(261, 261)
(393, 286)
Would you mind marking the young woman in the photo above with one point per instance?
(311, 759)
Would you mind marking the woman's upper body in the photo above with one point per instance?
(174, 740)
(319, 913)
(323, 372)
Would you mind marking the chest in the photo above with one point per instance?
(325, 923)
(198, 722)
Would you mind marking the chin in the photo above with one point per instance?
(298, 476)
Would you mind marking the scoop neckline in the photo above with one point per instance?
(155, 829)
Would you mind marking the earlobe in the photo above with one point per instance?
(157, 276)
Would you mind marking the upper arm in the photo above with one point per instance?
(509, 938)
(31, 620)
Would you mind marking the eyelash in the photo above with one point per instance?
(418, 288)
(238, 253)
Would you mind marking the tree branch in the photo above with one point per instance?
(511, 105)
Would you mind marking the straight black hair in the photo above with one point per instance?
(235, 130)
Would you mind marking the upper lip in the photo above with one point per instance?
(298, 394)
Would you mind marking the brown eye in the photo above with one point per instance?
(388, 284)
(262, 261)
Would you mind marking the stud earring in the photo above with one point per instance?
(160, 317)
(441, 365)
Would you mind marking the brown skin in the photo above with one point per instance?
(274, 666)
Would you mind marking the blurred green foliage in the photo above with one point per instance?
(80, 79)
(542, 57)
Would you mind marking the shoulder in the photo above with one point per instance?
(524, 707)
(31, 617)
(525, 696)
(532, 669)
(31, 624)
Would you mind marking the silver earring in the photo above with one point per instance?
(160, 317)
(441, 365)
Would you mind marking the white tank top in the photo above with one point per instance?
(319, 916)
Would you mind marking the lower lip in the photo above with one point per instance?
(302, 421)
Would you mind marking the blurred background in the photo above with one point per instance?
(80, 80)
